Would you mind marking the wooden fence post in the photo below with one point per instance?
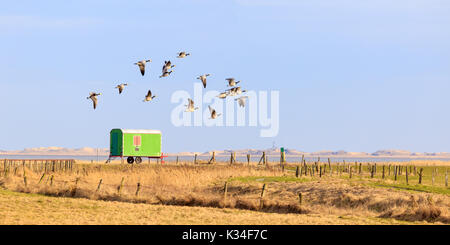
(42, 177)
(261, 203)
(395, 172)
(213, 158)
(263, 158)
(138, 188)
(24, 178)
(51, 180)
(99, 185)
(225, 191)
(195, 159)
(406, 175)
(177, 161)
(372, 171)
(281, 159)
(248, 159)
(119, 188)
(305, 167)
(329, 166)
(320, 172)
(297, 172)
(382, 176)
(351, 171)
(420, 175)
(300, 198)
(231, 158)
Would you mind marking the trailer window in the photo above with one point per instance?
(137, 140)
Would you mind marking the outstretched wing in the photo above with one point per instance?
(142, 68)
(204, 81)
(94, 101)
(149, 94)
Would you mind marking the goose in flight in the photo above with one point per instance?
(213, 112)
(241, 100)
(236, 91)
(223, 95)
(93, 97)
(203, 79)
(149, 96)
(190, 106)
(165, 74)
(232, 91)
(232, 82)
(182, 54)
(167, 66)
(239, 90)
(121, 87)
(141, 65)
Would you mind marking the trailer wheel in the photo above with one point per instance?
(130, 160)
(138, 160)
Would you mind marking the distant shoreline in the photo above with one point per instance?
(270, 152)
(307, 155)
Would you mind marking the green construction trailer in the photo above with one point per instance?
(135, 144)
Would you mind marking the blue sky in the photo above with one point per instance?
(352, 75)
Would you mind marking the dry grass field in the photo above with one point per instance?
(36, 209)
(185, 193)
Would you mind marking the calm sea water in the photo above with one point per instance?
(254, 158)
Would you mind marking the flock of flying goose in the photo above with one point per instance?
(166, 71)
